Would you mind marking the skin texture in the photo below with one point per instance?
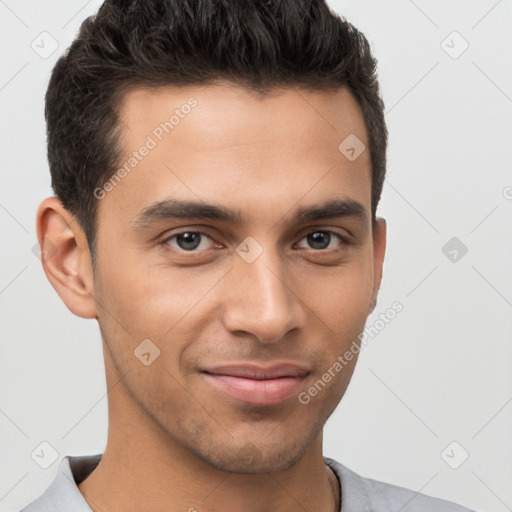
(175, 442)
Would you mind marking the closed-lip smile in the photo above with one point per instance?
(258, 384)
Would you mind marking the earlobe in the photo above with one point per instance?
(65, 257)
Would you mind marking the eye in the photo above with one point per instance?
(188, 241)
(195, 241)
(322, 239)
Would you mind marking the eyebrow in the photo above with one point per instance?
(170, 209)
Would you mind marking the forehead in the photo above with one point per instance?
(236, 146)
(225, 113)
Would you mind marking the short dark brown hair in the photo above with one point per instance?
(259, 44)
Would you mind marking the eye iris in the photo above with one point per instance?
(188, 241)
(319, 239)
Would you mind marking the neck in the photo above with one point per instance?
(149, 477)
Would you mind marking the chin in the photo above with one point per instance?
(250, 459)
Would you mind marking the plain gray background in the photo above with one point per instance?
(434, 385)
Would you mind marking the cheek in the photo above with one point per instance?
(154, 301)
(340, 298)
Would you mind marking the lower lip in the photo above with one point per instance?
(260, 392)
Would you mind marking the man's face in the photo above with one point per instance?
(228, 299)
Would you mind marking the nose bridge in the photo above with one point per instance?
(260, 301)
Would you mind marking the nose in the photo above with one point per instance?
(259, 299)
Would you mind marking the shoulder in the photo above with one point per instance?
(368, 495)
(63, 493)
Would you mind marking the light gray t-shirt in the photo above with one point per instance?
(359, 494)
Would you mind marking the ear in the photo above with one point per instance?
(379, 250)
(65, 257)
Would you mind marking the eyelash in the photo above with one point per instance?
(165, 242)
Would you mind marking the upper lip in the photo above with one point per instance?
(258, 372)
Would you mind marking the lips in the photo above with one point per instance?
(255, 384)
(260, 372)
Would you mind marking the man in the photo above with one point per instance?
(217, 166)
